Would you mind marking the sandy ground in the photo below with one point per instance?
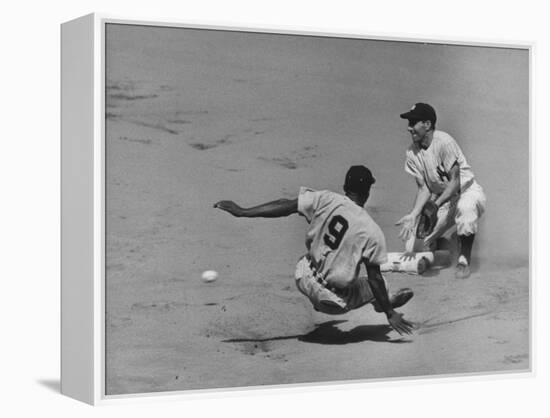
(198, 116)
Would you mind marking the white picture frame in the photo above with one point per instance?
(83, 206)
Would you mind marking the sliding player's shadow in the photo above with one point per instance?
(328, 333)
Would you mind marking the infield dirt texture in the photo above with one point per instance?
(196, 116)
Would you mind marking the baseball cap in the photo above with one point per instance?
(358, 179)
(420, 112)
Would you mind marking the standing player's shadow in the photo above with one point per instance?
(328, 333)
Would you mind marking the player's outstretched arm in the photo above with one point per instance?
(395, 319)
(274, 209)
(408, 222)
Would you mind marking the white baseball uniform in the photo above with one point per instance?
(340, 235)
(433, 166)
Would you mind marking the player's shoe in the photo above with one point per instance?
(397, 300)
(462, 268)
(462, 271)
(423, 265)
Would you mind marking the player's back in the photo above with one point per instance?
(340, 235)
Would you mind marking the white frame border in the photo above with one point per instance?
(97, 24)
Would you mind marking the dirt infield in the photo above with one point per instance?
(198, 116)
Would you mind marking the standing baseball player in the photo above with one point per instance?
(444, 177)
(341, 237)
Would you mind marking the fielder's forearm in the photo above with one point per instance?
(422, 196)
(452, 188)
(274, 209)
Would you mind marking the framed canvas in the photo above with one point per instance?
(326, 140)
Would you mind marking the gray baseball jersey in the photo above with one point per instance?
(340, 235)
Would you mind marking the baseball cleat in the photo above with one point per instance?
(462, 271)
(423, 265)
(397, 300)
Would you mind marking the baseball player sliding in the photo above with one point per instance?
(341, 237)
(445, 186)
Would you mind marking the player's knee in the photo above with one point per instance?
(467, 229)
(471, 205)
(466, 225)
(467, 216)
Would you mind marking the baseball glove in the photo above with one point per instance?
(427, 220)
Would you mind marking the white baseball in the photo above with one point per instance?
(209, 276)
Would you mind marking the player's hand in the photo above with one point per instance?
(407, 256)
(400, 324)
(229, 206)
(407, 226)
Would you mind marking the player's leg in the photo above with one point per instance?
(445, 221)
(465, 243)
(398, 299)
(470, 207)
(322, 299)
(359, 293)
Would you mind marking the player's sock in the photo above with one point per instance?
(462, 268)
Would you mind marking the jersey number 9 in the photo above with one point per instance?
(337, 227)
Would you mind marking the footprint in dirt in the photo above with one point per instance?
(155, 306)
(253, 348)
(520, 358)
(116, 323)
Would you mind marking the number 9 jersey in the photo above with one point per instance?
(340, 235)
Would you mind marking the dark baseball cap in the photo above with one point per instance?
(358, 179)
(420, 112)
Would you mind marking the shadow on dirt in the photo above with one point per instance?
(329, 333)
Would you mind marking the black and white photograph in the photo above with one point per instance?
(277, 209)
(295, 208)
